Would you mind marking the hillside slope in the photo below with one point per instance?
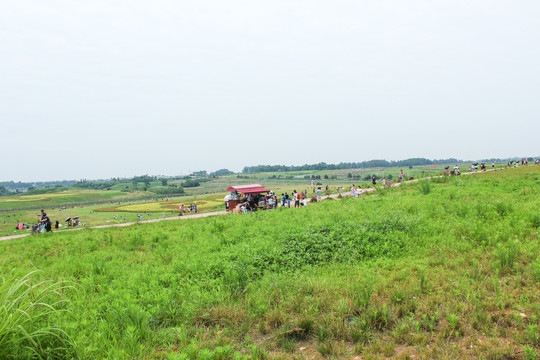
(445, 269)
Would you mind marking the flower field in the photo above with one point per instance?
(56, 199)
(204, 203)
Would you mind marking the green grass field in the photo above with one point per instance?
(442, 269)
(342, 175)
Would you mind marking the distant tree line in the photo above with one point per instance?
(221, 172)
(347, 165)
(14, 186)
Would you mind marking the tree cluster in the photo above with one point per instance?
(347, 165)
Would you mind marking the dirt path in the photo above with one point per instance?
(203, 215)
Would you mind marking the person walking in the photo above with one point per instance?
(319, 194)
(353, 190)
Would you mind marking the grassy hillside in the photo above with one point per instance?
(445, 269)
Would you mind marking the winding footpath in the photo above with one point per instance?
(203, 215)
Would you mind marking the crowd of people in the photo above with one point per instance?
(44, 223)
(190, 209)
(242, 203)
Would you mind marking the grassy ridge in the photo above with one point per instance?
(452, 272)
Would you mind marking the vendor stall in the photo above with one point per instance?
(249, 196)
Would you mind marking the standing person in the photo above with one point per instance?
(319, 194)
(44, 218)
(493, 165)
(359, 192)
(48, 226)
(353, 190)
(270, 202)
(283, 199)
(383, 182)
(43, 215)
(226, 200)
(374, 180)
(288, 200)
(296, 199)
(195, 208)
(401, 175)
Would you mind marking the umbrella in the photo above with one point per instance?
(475, 164)
(446, 167)
(75, 217)
(68, 219)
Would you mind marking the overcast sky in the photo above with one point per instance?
(98, 89)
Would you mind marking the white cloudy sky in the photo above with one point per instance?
(95, 89)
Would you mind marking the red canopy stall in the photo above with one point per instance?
(241, 191)
(248, 189)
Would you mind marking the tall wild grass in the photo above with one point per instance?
(27, 311)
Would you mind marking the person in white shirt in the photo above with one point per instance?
(319, 194)
(353, 191)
